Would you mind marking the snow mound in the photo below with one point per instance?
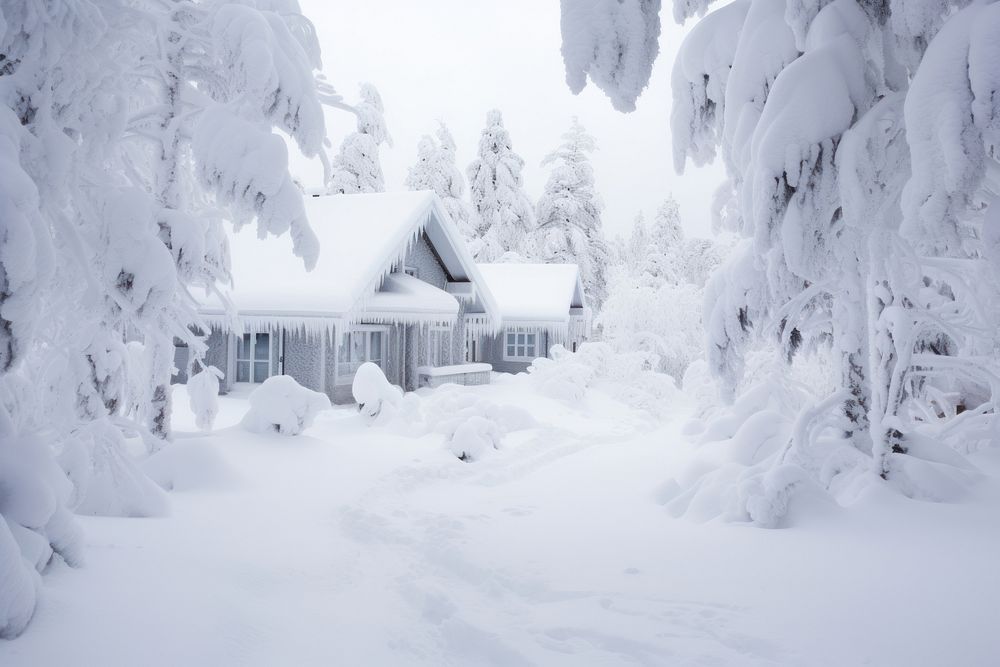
(34, 522)
(377, 400)
(281, 404)
(778, 441)
(107, 481)
(186, 466)
(472, 425)
(474, 438)
(626, 376)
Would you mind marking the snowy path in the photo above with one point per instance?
(351, 546)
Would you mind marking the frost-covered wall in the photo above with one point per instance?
(422, 258)
(491, 350)
(304, 359)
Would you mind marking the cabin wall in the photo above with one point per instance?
(491, 350)
(181, 356)
(422, 258)
(304, 359)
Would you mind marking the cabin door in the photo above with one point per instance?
(253, 357)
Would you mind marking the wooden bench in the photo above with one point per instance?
(465, 374)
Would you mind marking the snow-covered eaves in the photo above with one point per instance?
(363, 238)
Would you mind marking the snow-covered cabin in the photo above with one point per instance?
(540, 305)
(394, 284)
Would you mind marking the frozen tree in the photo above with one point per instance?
(451, 184)
(638, 243)
(614, 43)
(860, 142)
(569, 214)
(435, 170)
(504, 213)
(357, 168)
(129, 131)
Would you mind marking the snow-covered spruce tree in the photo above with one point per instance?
(219, 77)
(118, 123)
(504, 213)
(569, 214)
(664, 257)
(357, 167)
(451, 184)
(834, 120)
(614, 43)
(435, 170)
(638, 243)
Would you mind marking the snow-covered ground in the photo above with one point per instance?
(366, 545)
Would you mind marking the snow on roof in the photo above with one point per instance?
(402, 293)
(534, 293)
(362, 237)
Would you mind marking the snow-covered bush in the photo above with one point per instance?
(203, 394)
(377, 399)
(473, 426)
(283, 405)
(474, 438)
(656, 293)
(628, 376)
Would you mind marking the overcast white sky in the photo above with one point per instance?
(456, 59)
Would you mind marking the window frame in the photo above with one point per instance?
(438, 340)
(342, 377)
(518, 349)
(252, 360)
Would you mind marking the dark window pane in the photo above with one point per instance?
(242, 371)
(259, 371)
(262, 347)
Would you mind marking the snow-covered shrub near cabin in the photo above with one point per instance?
(474, 438)
(203, 393)
(472, 426)
(376, 397)
(628, 376)
(282, 405)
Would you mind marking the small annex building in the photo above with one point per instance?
(540, 305)
(394, 284)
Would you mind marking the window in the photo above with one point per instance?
(253, 357)
(520, 346)
(358, 347)
(438, 342)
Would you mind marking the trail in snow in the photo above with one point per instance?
(353, 545)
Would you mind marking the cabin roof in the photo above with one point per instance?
(363, 238)
(527, 293)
